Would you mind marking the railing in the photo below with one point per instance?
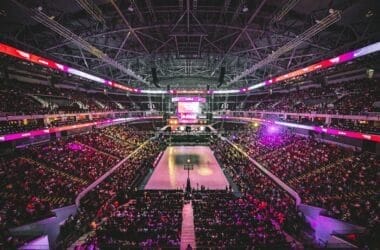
(108, 173)
(369, 116)
(21, 116)
(280, 183)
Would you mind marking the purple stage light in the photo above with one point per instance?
(75, 146)
(272, 129)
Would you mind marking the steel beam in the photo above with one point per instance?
(240, 34)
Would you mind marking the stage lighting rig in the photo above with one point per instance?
(312, 31)
(42, 18)
(92, 10)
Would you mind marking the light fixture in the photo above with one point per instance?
(130, 8)
(369, 14)
(245, 9)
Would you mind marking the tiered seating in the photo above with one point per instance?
(9, 127)
(257, 218)
(257, 141)
(73, 158)
(115, 190)
(125, 134)
(30, 189)
(346, 98)
(14, 102)
(151, 220)
(361, 126)
(119, 148)
(347, 188)
(51, 175)
(301, 157)
(343, 182)
(227, 222)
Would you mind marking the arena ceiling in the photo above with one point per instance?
(187, 41)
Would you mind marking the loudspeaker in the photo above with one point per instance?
(370, 73)
(154, 77)
(221, 76)
(208, 87)
(168, 88)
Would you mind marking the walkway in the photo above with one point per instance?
(188, 231)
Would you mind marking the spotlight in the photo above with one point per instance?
(255, 124)
(245, 9)
(130, 8)
(272, 129)
(182, 128)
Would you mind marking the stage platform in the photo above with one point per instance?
(170, 173)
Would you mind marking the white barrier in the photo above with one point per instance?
(288, 189)
(108, 173)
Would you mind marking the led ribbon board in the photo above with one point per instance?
(318, 129)
(11, 51)
(36, 133)
(321, 65)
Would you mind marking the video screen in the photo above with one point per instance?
(188, 107)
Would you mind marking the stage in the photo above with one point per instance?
(170, 173)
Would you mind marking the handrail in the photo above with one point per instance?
(288, 189)
(108, 173)
(370, 116)
(15, 116)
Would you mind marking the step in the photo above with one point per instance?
(188, 231)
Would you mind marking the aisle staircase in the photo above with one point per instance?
(188, 231)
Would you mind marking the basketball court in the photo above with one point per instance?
(170, 171)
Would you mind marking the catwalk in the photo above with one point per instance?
(170, 174)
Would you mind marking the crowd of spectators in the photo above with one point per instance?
(118, 141)
(29, 190)
(343, 181)
(149, 220)
(226, 222)
(77, 159)
(41, 177)
(360, 126)
(302, 156)
(26, 98)
(119, 188)
(347, 188)
(259, 217)
(9, 127)
(258, 141)
(14, 101)
(357, 97)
